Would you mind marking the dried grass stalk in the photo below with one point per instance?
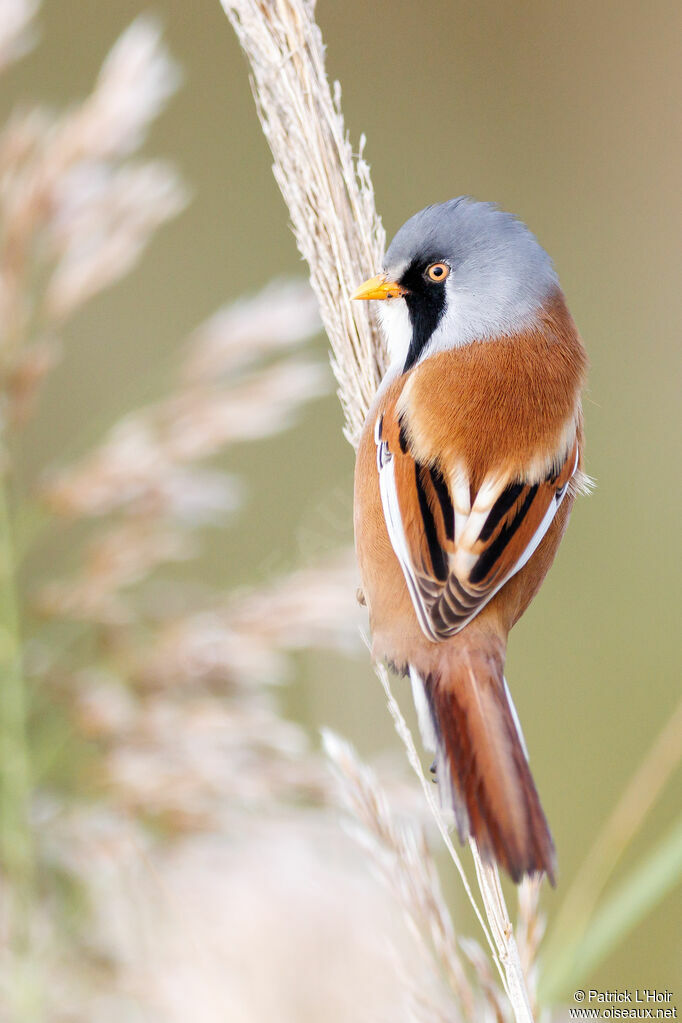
(331, 204)
(530, 929)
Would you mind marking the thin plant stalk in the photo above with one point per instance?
(330, 199)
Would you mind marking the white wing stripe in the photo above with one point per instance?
(396, 533)
(427, 727)
(515, 717)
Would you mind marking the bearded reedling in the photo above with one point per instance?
(468, 465)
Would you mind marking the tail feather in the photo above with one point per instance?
(482, 765)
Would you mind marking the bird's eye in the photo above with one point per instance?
(437, 272)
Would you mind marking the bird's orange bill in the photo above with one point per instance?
(379, 287)
(452, 573)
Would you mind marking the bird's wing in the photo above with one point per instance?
(455, 551)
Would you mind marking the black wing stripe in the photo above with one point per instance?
(402, 436)
(443, 495)
(489, 556)
(501, 507)
(440, 568)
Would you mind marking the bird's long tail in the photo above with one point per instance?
(465, 711)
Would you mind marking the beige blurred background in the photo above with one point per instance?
(568, 114)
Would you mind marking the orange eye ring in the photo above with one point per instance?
(437, 272)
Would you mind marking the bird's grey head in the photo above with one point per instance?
(494, 280)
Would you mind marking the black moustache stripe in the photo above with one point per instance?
(426, 305)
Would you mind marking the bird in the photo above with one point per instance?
(467, 468)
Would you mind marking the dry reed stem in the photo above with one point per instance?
(337, 229)
(516, 984)
(530, 928)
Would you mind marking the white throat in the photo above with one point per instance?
(397, 328)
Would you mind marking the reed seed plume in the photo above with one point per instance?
(244, 641)
(326, 187)
(189, 734)
(103, 220)
(76, 214)
(145, 486)
(225, 394)
(186, 719)
(403, 860)
(163, 688)
(278, 318)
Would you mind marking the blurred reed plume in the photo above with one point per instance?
(17, 30)
(140, 724)
(77, 212)
(145, 476)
